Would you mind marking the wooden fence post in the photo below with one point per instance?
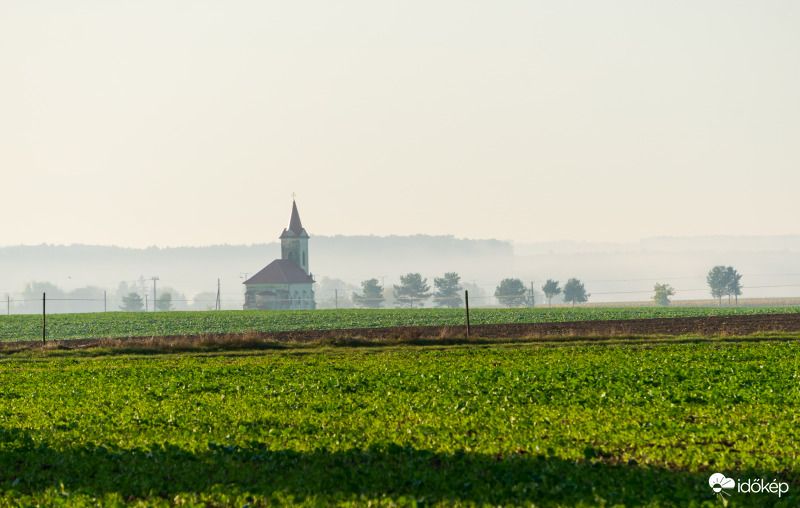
(466, 302)
(44, 317)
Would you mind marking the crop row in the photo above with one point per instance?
(140, 324)
(519, 426)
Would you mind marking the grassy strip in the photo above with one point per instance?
(471, 424)
(256, 344)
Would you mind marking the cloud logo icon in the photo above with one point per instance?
(718, 481)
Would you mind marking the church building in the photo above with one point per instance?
(285, 283)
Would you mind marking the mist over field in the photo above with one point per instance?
(611, 272)
(602, 123)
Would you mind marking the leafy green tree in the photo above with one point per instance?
(132, 302)
(733, 286)
(718, 281)
(551, 289)
(574, 292)
(447, 290)
(662, 294)
(412, 287)
(371, 295)
(511, 293)
(164, 302)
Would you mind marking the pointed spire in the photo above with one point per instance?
(294, 223)
(295, 228)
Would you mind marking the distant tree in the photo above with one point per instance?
(412, 287)
(205, 300)
(85, 299)
(371, 296)
(551, 289)
(139, 286)
(530, 298)
(334, 294)
(477, 295)
(662, 294)
(733, 286)
(447, 290)
(718, 281)
(122, 291)
(388, 296)
(143, 286)
(179, 301)
(32, 297)
(132, 302)
(164, 302)
(575, 292)
(511, 293)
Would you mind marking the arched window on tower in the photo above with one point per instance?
(304, 258)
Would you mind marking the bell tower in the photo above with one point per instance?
(294, 241)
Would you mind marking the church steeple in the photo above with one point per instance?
(294, 222)
(286, 283)
(294, 241)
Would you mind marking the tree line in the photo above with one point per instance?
(722, 281)
(512, 292)
(414, 290)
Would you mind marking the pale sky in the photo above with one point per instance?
(175, 123)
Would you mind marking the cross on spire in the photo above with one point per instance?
(293, 196)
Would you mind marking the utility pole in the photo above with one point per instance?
(145, 303)
(336, 297)
(8, 305)
(154, 292)
(105, 307)
(244, 276)
(532, 302)
(218, 306)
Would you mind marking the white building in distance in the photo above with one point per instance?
(286, 283)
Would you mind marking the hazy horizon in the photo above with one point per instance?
(612, 272)
(192, 123)
(793, 239)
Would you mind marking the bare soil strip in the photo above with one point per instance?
(705, 326)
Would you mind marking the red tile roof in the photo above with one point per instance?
(281, 271)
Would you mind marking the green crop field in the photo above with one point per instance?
(123, 324)
(402, 426)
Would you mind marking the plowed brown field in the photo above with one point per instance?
(706, 326)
